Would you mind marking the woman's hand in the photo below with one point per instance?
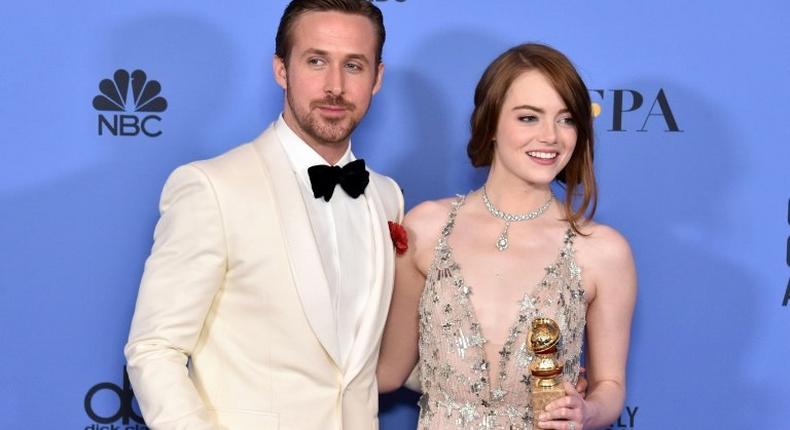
(581, 384)
(566, 413)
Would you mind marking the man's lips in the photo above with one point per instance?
(332, 110)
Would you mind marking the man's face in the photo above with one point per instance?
(330, 77)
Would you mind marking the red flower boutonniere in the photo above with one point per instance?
(399, 237)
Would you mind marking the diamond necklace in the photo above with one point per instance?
(502, 240)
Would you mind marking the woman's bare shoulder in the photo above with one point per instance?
(604, 244)
(429, 212)
(605, 257)
(425, 220)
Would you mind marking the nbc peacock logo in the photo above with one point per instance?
(135, 99)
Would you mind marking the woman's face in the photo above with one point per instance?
(535, 134)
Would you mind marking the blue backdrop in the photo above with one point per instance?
(692, 159)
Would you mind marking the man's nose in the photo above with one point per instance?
(334, 81)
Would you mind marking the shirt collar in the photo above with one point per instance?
(300, 154)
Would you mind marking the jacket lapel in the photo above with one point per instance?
(300, 244)
(375, 314)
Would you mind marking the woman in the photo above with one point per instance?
(511, 252)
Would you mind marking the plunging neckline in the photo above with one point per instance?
(528, 300)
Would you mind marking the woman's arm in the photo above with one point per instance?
(613, 276)
(399, 353)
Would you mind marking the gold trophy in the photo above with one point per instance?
(546, 370)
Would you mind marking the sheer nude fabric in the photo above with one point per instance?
(458, 390)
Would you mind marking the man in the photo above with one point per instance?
(265, 295)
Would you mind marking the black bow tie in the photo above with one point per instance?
(353, 178)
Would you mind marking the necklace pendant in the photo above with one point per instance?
(502, 241)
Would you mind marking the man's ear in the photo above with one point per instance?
(379, 78)
(280, 72)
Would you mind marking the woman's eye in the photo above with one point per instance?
(568, 121)
(528, 118)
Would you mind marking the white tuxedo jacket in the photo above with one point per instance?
(233, 327)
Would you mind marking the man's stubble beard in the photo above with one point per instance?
(325, 130)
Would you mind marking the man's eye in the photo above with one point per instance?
(315, 62)
(353, 67)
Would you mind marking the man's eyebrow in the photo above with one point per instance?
(360, 57)
(316, 51)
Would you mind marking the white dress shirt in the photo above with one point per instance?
(344, 234)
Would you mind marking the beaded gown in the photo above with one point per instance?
(458, 391)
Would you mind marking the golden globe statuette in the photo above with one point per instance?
(546, 370)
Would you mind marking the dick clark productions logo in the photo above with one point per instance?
(120, 400)
(135, 111)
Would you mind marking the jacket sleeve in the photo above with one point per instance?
(393, 201)
(182, 276)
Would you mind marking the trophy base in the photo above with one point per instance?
(542, 396)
